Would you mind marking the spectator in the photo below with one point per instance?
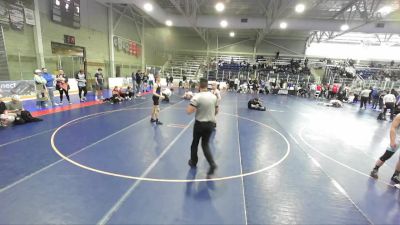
(49, 85)
(171, 80)
(130, 92)
(81, 79)
(41, 91)
(63, 86)
(138, 79)
(375, 98)
(145, 82)
(16, 109)
(388, 103)
(133, 76)
(116, 95)
(5, 118)
(364, 98)
(99, 79)
(151, 80)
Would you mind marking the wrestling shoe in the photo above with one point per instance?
(192, 164)
(374, 173)
(212, 170)
(396, 179)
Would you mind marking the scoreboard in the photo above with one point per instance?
(67, 12)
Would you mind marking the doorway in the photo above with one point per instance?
(70, 58)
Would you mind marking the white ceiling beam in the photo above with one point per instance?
(192, 22)
(269, 17)
(119, 18)
(282, 47)
(117, 11)
(345, 8)
(138, 30)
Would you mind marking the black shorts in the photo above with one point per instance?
(156, 100)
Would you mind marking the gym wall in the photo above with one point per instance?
(93, 35)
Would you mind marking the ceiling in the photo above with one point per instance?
(315, 9)
(264, 16)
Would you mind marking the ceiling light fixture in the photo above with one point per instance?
(283, 25)
(219, 7)
(148, 7)
(344, 27)
(168, 23)
(300, 8)
(224, 23)
(232, 34)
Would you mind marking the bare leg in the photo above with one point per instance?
(153, 113)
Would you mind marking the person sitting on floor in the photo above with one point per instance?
(130, 93)
(255, 104)
(166, 93)
(22, 116)
(334, 103)
(116, 97)
(188, 95)
(5, 118)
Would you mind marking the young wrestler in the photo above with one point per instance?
(156, 101)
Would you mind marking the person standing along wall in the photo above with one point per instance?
(41, 91)
(99, 79)
(81, 79)
(62, 86)
(133, 76)
(49, 85)
(138, 79)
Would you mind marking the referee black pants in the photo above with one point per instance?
(202, 130)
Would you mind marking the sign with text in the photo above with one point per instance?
(29, 17)
(18, 87)
(127, 46)
(4, 15)
(69, 40)
(16, 16)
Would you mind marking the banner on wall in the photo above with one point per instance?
(29, 17)
(4, 15)
(20, 87)
(127, 46)
(16, 16)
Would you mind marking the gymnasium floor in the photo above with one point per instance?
(298, 163)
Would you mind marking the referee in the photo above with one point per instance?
(205, 104)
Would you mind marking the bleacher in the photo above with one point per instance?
(186, 65)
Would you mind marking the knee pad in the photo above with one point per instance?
(386, 156)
